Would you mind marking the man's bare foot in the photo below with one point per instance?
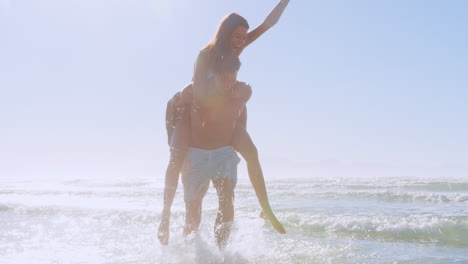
(189, 237)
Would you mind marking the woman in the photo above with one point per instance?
(232, 37)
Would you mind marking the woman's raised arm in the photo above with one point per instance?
(268, 23)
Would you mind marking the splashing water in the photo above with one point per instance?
(328, 221)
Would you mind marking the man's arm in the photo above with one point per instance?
(268, 23)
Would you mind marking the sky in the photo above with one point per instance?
(340, 88)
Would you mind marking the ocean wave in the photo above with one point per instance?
(120, 216)
(441, 186)
(372, 184)
(81, 192)
(388, 195)
(5, 208)
(449, 231)
(109, 183)
(399, 196)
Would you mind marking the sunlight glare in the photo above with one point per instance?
(160, 8)
(5, 6)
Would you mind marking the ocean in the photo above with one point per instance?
(328, 220)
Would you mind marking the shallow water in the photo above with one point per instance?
(339, 220)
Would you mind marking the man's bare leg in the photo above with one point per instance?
(192, 216)
(245, 146)
(222, 229)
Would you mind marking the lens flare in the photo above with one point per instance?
(160, 8)
(5, 7)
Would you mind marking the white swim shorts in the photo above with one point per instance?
(201, 166)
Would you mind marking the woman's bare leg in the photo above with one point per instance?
(179, 141)
(244, 145)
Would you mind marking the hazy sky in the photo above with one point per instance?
(340, 87)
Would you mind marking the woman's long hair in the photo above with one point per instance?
(220, 43)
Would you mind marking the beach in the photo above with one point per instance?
(328, 220)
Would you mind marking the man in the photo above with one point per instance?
(208, 118)
(214, 114)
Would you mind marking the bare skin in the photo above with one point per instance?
(214, 118)
(241, 142)
(179, 130)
